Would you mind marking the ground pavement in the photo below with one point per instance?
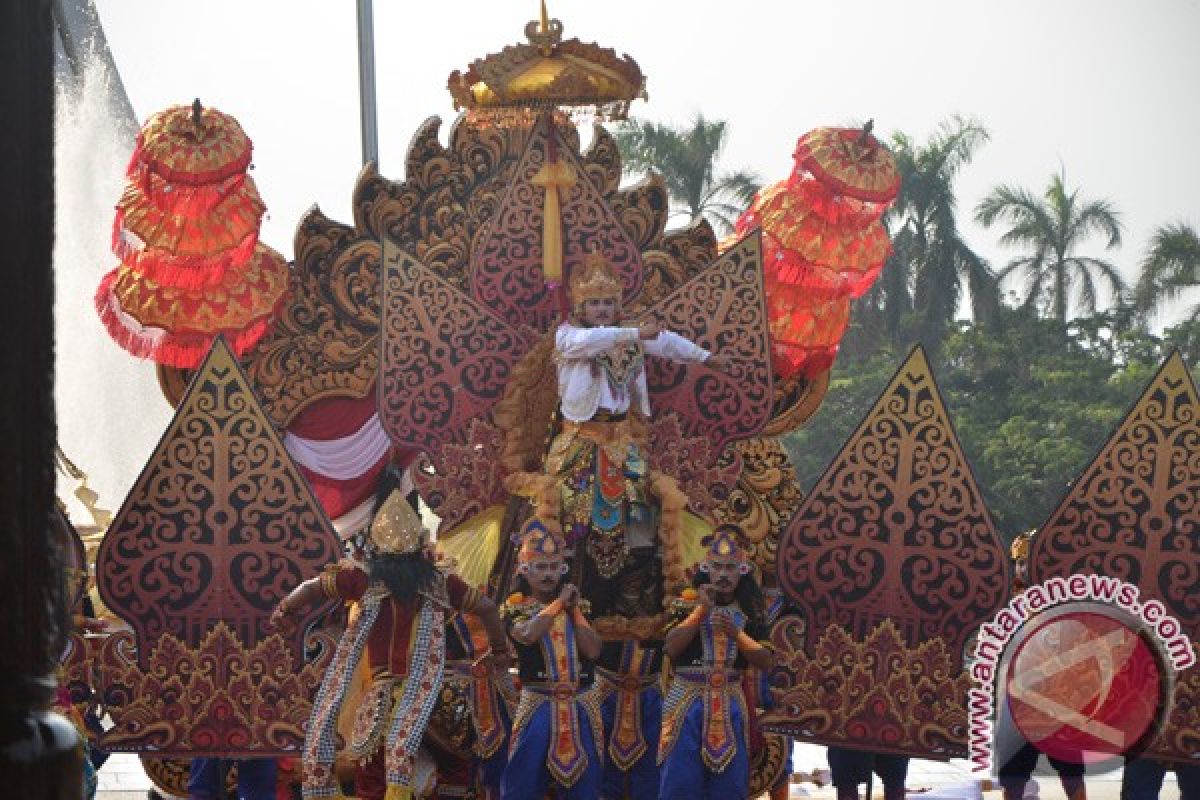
(123, 779)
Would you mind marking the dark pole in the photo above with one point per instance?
(39, 753)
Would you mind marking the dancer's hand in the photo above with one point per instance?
(281, 619)
(649, 329)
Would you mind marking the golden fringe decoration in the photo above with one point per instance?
(526, 411)
(672, 501)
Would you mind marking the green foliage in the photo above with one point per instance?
(687, 157)
(918, 294)
(1051, 228)
(1031, 400)
(1171, 266)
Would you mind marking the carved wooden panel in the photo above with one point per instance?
(218, 527)
(326, 343)
(1134, 514)
(506, 265)
(722, 310)
(893, 546)
(446, 358)
(877, 692)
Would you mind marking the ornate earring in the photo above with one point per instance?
(743, 569)
(563, 569)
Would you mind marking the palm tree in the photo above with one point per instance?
(1053, 227)
(1171, 265)
(932, 264)
(686, 157)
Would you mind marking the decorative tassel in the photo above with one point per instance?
(553, 175)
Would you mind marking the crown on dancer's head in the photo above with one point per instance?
(539, 542)
(396, 528)
(594, 280)
(1020, 545)
(725, 543)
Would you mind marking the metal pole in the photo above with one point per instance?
(366, 81)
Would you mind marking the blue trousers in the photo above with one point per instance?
(256, 778)
(642, 781)
(684, 774)
(526, 776)
(1143, 779)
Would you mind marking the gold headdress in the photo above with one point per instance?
(537, 542)
(594, 280)
(1020, 545)
(725, 543)
(396, 528)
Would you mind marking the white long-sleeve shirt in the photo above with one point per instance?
(583, 385)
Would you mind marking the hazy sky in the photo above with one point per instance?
(1107, 89)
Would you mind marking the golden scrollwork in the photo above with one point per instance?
(763, 500)
(862, 693)
(326, 341)
(1133, 514)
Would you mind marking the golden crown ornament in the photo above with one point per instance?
(594, 280)
(397, 528)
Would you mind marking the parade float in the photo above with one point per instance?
(420, 335)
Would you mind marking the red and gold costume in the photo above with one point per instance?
(404, 643)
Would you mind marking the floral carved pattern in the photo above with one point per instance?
(878, 692)
(465, 478)
(1134, 514)
(896, 527)
(219, 526)
(446, 359)
(721, 309)
(703, 475)
(764, 499)
(326, 343)
(217, 697)
(506, 265)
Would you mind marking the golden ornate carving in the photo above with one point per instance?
(767, 763)
(547, 72)
(219, 698)
(326, 343)
(878, 692)
(1133, 514)
(796, 400)
(763, 500)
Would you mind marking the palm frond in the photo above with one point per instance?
(1098, 216)
(1171, 265)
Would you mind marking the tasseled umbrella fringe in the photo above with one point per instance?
(185, 272)
(181, 349)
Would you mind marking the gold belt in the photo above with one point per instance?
(630, 683)
(714, 677)
(559, 690)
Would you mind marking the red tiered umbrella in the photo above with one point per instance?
(186, 232)
(823, 242)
